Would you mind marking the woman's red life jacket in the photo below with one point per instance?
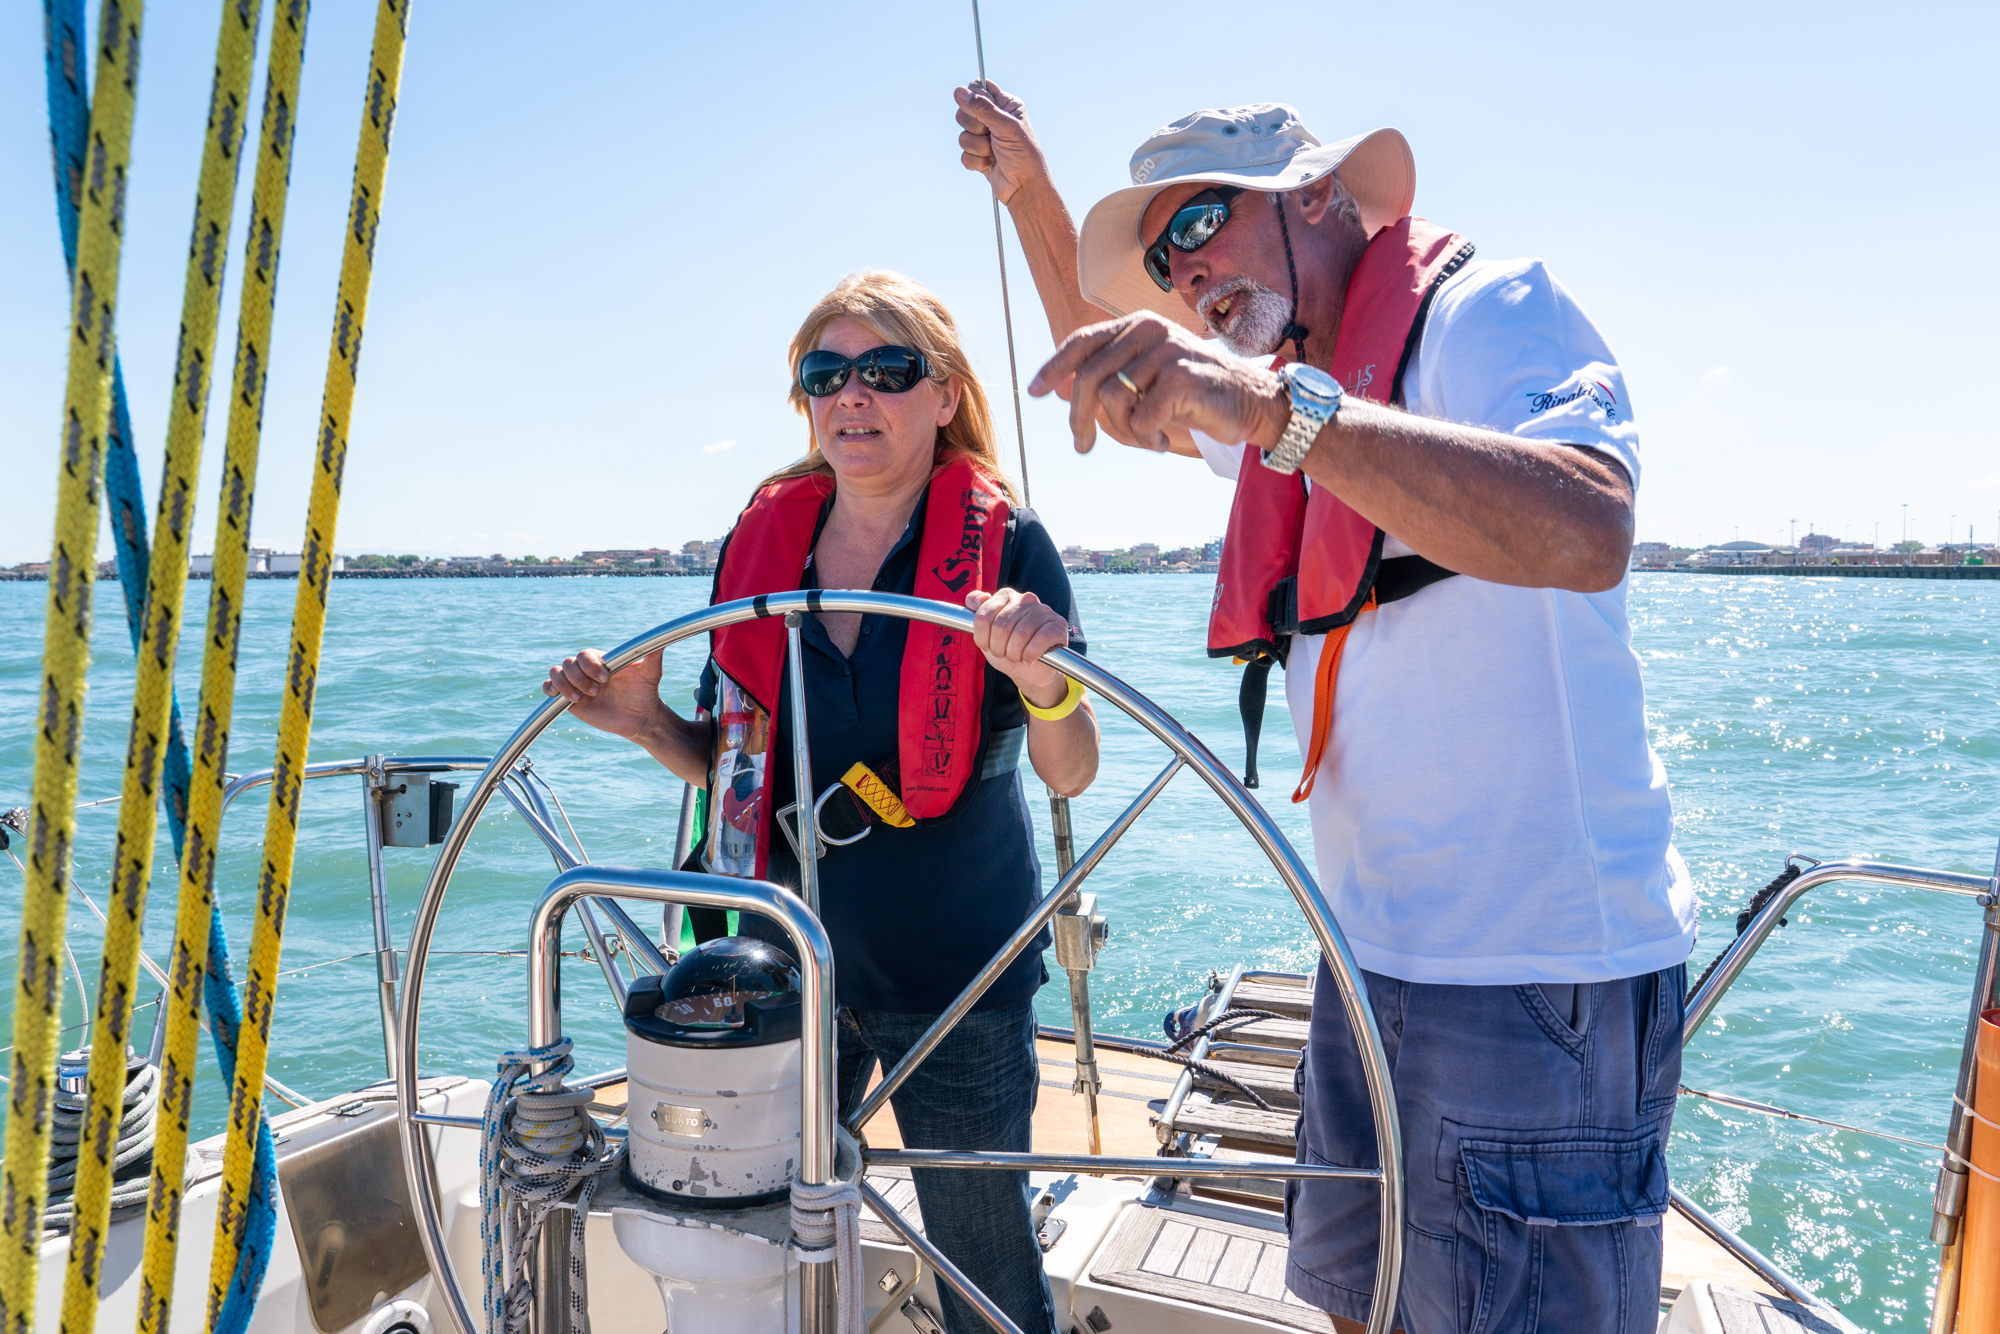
(1295, 562)
(940, 722)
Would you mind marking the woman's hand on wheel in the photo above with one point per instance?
(625, 704)
(1014, 629)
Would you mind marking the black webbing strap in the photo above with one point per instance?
(1250, 702)
(1401, 576)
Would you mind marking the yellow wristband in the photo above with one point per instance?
(1060, 711)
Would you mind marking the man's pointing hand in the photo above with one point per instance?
(1140, 375)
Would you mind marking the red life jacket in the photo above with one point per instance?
(1306, 563)
(941, 712)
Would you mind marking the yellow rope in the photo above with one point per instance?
(153, 692)
(65, 662)
(371, 167)
(189, 963)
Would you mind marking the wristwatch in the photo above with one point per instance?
(1315, 398)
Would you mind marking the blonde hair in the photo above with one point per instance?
(904, 312)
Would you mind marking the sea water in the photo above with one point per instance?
(1832, 717)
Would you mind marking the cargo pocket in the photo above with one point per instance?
(1560, 1235)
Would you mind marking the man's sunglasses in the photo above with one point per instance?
(1193, 226)
(887, 370)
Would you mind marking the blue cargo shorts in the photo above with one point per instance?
(1535, 1124)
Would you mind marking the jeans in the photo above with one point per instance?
(976, 1091)
(1535, 1124)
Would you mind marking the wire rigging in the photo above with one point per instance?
(1006, 305)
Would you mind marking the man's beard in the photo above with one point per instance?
(1257, 316)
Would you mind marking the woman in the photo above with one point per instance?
(900, 492)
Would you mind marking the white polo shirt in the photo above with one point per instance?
(1488, 810)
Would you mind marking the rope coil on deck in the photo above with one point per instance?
(371, 167)
(537, 1145)
(65, 662)
(139, 1106)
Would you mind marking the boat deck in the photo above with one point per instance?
(1223, 1250)
(1212, 1256)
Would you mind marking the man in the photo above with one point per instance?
(1432, 522)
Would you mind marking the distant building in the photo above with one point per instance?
(1740, 553)
(288, 562)
(1652, 555)
(1212, 549)
(1818, 542)
(1145, 555)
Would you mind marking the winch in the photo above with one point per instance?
(712, 1055)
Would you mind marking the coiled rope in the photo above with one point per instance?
(371, 166)
(131, 1151)
(537, 1143)
(826, 1224)
(65, 661)
(152, 700)
(199, 962)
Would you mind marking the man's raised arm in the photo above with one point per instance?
(996, 140)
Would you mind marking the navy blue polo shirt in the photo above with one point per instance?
(914, 913)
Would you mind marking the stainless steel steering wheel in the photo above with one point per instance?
(1188, 752)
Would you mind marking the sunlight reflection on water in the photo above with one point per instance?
(1836, 717)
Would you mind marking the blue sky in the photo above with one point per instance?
(600, 232)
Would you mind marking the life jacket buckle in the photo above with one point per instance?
(1282, 608)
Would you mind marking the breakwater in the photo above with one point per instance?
(1856, 571)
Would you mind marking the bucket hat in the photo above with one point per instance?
(1264, 146)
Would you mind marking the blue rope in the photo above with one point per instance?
(69, 134)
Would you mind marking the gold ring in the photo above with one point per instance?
(1126, 380)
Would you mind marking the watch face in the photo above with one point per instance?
(1314, 381)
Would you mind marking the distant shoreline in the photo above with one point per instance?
(519, 572)
(1845, 571)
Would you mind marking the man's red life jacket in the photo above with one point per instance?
(1295, 562)
(940, 721)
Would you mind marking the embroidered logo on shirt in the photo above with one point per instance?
(1578, 387)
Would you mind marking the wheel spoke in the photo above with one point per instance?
(1019, 941)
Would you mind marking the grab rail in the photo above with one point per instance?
(1949, 1199)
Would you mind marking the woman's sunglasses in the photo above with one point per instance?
(887, 370)
(1193, 226)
